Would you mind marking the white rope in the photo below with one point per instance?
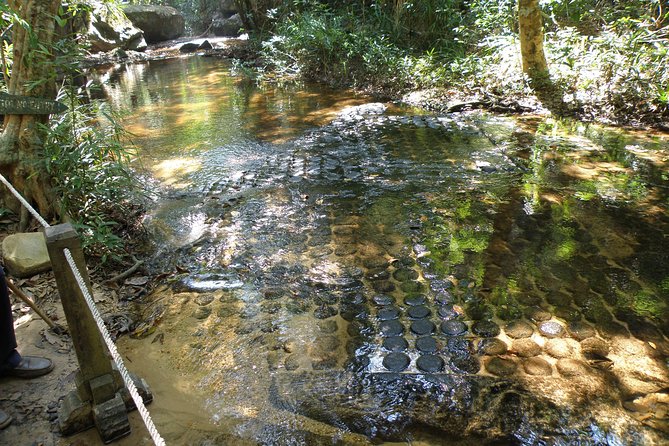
(23, 201)
(130, 385)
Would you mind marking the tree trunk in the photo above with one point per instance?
(530, 25)
(21, 144)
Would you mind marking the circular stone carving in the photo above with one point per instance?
(537, 314)
(486, 329)
(519, 330)
(395, 344)
(551, 329)
(444, 297)
(492, 347)
(383, 300)
(581, 330)
(466, 364)
(526, 348)
(426, 344)
(595, 346)
(412, 286)
(418, 312)
(561, 348)
(325, 311)
(453, 328)
(388, 313)
(501, 367)
(447, 312)
(404, 274)
(571, 367)
(391, 328)
(396, 362)
(422, 327)
(415, 300)
(430, 363)
(537, 367)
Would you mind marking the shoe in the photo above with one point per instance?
(30, 367)
(5, 420)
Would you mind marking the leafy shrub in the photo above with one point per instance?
(85, 155)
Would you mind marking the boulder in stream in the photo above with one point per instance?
(159, 23)
(108, 30)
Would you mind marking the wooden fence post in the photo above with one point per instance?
(100, 398)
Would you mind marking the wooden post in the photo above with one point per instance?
(91, 352)
(99, 398)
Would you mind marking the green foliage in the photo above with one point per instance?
(609, 58)
(88, 162)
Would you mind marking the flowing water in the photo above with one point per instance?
(356, 274)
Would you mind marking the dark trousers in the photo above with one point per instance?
(8, 352)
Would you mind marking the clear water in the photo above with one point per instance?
(354, 278)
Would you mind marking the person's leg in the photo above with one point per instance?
(11, 362)
(8, 355)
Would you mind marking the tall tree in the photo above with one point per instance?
(531, 29)
(33, 74)
(530, 25)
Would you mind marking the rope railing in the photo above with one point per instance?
(116, 357)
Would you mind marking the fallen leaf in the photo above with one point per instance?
(137, 281)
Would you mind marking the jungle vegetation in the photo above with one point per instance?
(602, 60)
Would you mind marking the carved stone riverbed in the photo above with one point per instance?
(442, 279)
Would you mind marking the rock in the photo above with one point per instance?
(204, 299)
(430, 363)
(581, 330)
(189, 47)
(158, 23)
(526, 348)
(25, 254)
(571, 367)
(415, 300)
(519, 330)
(551, 329)
(405, 274)
(492, 347)
(292, 362)
(427, 344)
(538, 367)
(325, 311)
(422, 327)
(561, 348)
(202, 312)
(418, 312)
(466, 364)
(205, 46)
(486, 329)
(383, 300)
(396, 362)
(107, 31)
(391, 328)
(537, 314)
(388, 313)
(501, 367)
(226, 26)
(453, 327)
(447, 312)
(328, 326)
(395, 344)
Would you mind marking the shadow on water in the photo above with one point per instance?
(358, 277)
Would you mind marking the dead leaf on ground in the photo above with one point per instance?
(137, 281)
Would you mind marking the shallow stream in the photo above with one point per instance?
(357, 273)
